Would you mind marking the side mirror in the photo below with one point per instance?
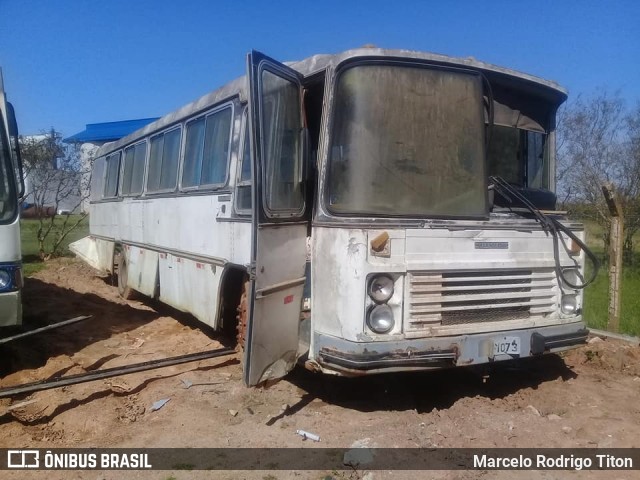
(15, 147)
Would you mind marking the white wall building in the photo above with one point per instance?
(94, 136)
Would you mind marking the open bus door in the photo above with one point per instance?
(278, 251)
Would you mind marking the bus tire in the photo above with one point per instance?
(243, 317)
(125, 291)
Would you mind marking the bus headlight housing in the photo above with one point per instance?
(572, 275)
(569, 304)
(380, 319)
(381, 288)
(5, 280)
(10, 278)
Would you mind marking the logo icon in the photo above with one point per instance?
(23, 459)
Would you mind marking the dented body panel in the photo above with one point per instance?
(365, 358)
(459, 289)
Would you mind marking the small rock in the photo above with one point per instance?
(567, 429)
(233, 413)
(553, 416)
(636, 379)
(533, 409)
(362, 443)
(284, 407)
(358, 457)
(594, 340)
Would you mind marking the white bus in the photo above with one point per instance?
(11, 189)
(403, 189)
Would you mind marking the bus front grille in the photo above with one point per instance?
(478, 296)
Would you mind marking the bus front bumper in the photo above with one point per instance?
(10, 309)
(359, 358)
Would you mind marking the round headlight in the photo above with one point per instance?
(5, 279)
(572, 276)
(381, 319)
(381, 288)
(569, 304)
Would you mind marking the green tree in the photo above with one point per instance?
(598, 143)
(56, 181)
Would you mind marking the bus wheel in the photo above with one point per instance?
(125, 292)
(242, 316)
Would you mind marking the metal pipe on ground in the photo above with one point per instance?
(111, 372)
(43, 329)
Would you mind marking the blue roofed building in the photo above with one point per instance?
(96, 135)
(101, 133)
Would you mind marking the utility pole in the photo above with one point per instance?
(616, 239)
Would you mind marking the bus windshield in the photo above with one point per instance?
(407, 141)
(8, 202)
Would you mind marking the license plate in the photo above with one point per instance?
(506, 346)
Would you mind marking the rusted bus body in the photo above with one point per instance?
(11, 189)
(372, 164)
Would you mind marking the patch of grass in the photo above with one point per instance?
(596, 301)
(596, 295)
(28, 232)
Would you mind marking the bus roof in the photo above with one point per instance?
(547, 89)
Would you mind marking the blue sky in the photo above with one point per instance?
(71, 62)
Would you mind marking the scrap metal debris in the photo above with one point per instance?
(159, 404)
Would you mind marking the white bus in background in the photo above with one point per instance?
(11, 189)
(412, 177)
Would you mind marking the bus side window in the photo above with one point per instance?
(193, 153)
(113, 174)
(243, 189)
(155, 163)
(97, 179)
(216, 148)
(207, 150)
(163, 161)
(133, 170)
(170, 159)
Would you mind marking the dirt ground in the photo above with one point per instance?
(587, 398)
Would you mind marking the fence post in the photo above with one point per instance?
(615, 256)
